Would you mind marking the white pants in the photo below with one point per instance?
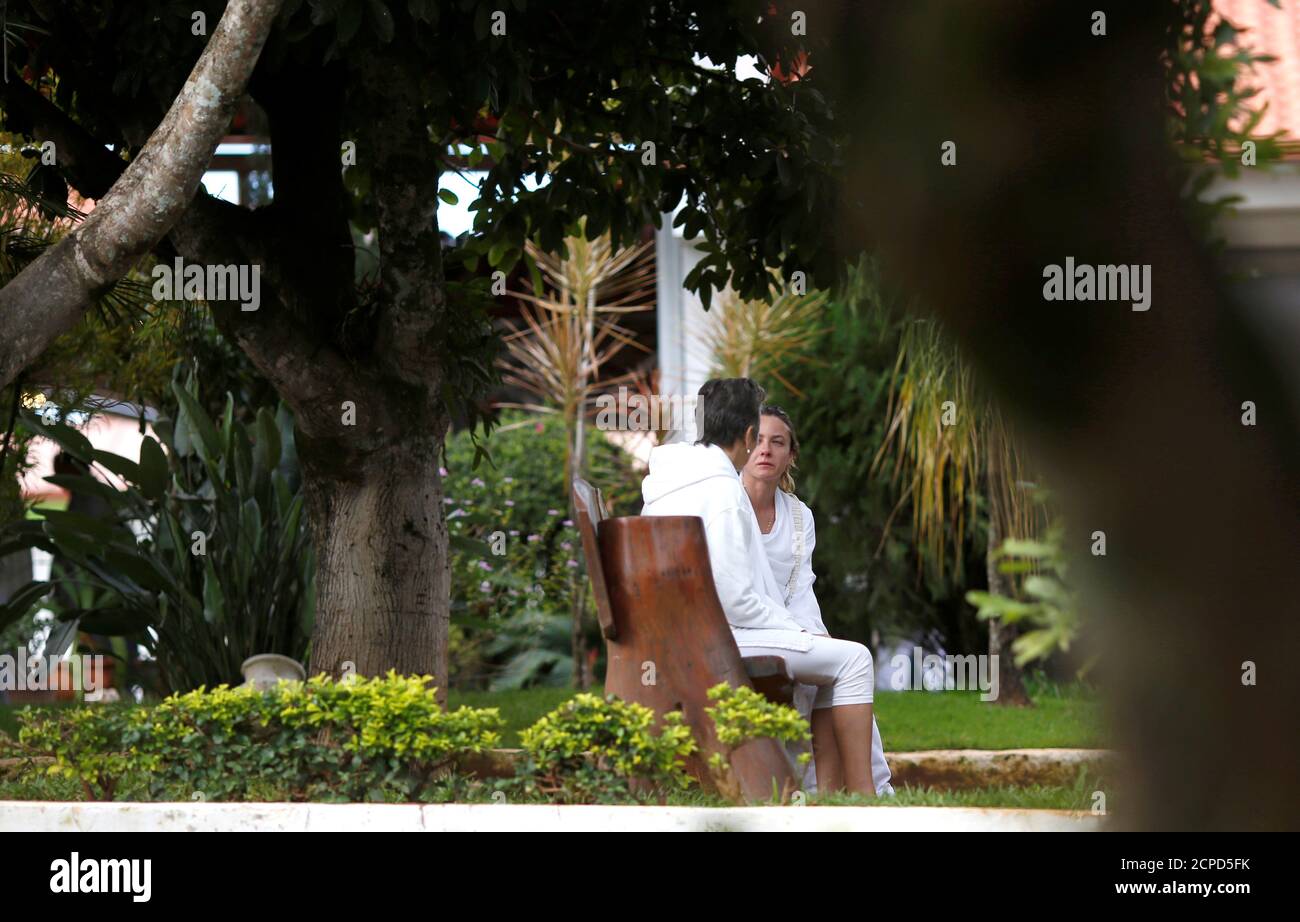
(841, 669)
(833, 672)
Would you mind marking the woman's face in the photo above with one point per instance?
(770, 458)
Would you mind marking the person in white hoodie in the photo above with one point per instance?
(703, 479)
(789, 537)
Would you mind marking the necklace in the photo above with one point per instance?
(772, 521)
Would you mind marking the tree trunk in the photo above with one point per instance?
(373, 490)
(1011, 680)
(1136, 414)
(382, 570)
(574, 463)
(577, 602)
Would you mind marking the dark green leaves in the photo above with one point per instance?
(194, 423)
(381, 21)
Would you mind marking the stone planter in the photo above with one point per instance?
(265, 670)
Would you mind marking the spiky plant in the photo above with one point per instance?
(569, 331)
(950, 442)
(761, 338)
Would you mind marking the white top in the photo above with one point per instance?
(781, 549)
(700, 480)
(780, 546)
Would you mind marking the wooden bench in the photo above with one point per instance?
(666, 637)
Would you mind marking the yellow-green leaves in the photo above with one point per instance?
(742, 714)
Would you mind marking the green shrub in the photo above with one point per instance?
(741, 715)
(1048, 604)
(526, 454)
(604, 750)
(378, 739)
(381, 740)
(89, 745)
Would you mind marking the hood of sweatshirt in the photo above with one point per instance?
(680, 464)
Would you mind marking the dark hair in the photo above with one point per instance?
(787, 478)
(725, 409)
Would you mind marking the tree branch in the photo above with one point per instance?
(48, 297)
(301, 364)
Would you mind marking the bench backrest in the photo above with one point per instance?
(667, 637)
(589, 507)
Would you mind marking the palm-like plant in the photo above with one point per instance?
(934, 429)
(759, 338)
(569, 331)
(949, 442)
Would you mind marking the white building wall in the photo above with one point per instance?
(682, 325)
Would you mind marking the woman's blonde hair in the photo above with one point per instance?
(787, 478)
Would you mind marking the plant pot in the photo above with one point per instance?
(265, 670)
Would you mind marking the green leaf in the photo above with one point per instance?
(214, 599)
(140, 568)
(997, 606)
(62, 635)
(82, 527)
(82, 483)
(250, 532)
(197, 420)
(125, 468)
(153, 469)
(448, 196)
(1035, 645)
(1049, 589)
(349, 20)
(21, 601)
(266, 454)
(113, 622)
(63, 435)
(381, 20)
(1017, 547)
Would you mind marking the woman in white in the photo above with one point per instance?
(789, 535)
(703, 480)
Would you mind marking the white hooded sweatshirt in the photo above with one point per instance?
(700, 480)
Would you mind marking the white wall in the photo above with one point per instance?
(681, 324)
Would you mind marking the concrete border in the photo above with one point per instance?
(46, 816)
(964, 769)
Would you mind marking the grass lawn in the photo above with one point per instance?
(916, 720)
(1064, 716)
